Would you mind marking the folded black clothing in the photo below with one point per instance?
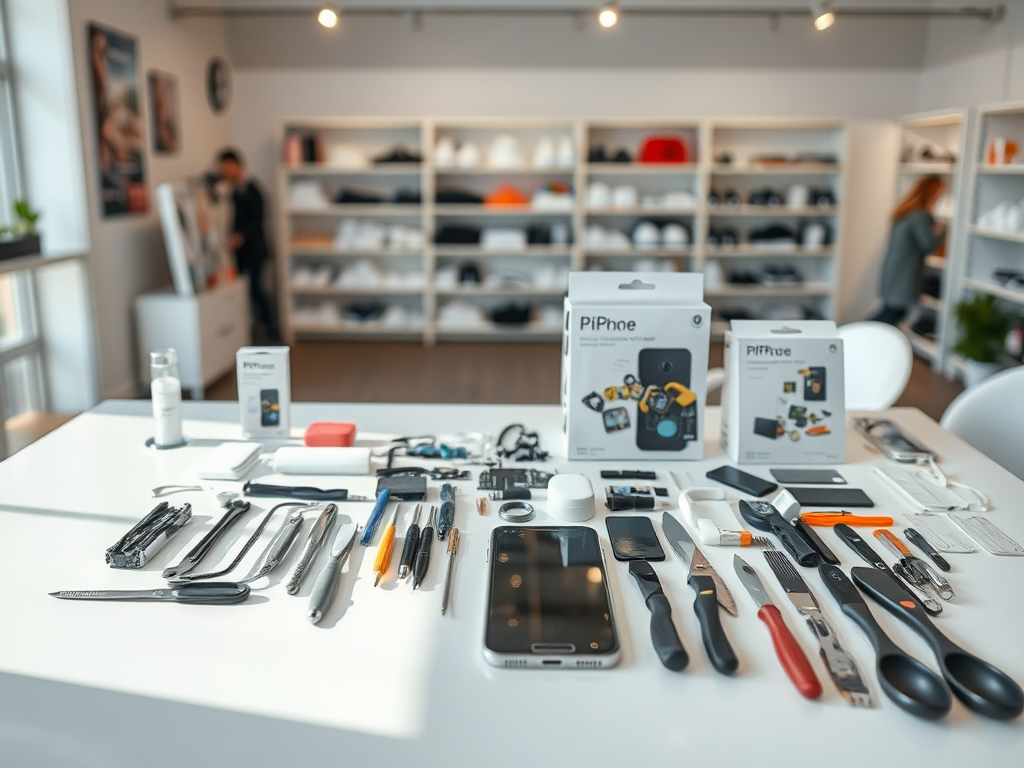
(743, 277)
(408, 196)
(773, 233)
(469, 274)
(622, 156)
(457, 235)
(364, 313)
(399, 155)
(538, 234)
(597, 155)
(823, 198)
(766, 196)
(1011, 278)
(453, 196)
(349, 196)
(511, 314)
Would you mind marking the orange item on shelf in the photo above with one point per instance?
(663, 149)
(506, 195)
(308, 241)
(330, 434)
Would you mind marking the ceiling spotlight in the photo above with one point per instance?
(608, 15)
(328, 17)
(823, 15)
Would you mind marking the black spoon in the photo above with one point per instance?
(979, 685)
(909, 683)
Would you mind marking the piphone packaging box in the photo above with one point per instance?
(634, 365)
(783, 399)
(264, 390)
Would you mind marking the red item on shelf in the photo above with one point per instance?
(330, 434)
(506, 195)
(664, 149)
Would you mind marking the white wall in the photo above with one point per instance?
(127, 254)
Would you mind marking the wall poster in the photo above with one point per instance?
(164, 112)
(113, 68)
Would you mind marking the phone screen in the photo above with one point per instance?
(548, 588)
(270, 408)
(633, 538)
(742, 481)
(831, 497)
(807, 476)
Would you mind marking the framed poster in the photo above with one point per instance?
(164, 112)
(113, 69)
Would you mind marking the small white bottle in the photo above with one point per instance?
(166, 391)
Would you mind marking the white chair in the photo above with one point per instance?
(990, 416)
(877, 364)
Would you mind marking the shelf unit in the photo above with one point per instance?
(307, 231)
(980, 247)
(944, 135)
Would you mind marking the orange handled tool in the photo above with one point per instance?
(387, 544)
(894, 540)
(828, 519)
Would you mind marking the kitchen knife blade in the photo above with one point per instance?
(678, 537)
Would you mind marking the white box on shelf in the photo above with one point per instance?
(783, 400)
(634, 365)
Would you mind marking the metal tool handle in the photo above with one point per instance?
(210, 593)
(705, 605)
(323, 590)
(790, 654)
(199, 551)
(314, 542)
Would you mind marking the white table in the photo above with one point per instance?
(385, 679)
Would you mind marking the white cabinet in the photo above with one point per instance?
(206, 329)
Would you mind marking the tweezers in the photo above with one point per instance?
(280, 544)
(200, 550)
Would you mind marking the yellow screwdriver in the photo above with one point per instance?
(387, 544)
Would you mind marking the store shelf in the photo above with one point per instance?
(935, 262)
(365, 210)
(384, 169)
(476, 252)
(641, 169)
(356, 330)
(927, 169)
(639, 252)
(555, 170)
(922, 345)
(531, 330)
(747, 251)
(334, 290)
(996, 234)
(782, 169)
(931, 302)
(297, 249)
(643, 211)
(503, 210)
(1001, 170)
(994, 289)
(481, 291)
(772, 212)
(807, 289)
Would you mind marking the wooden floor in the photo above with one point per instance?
(473, 372)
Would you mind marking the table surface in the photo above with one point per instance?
(385, 676)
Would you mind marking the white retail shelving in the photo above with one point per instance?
(307, 231)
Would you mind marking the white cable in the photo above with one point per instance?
(938, 477)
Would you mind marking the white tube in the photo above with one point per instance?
(296, 460)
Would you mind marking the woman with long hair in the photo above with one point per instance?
(914, 235)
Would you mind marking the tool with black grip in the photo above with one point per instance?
(666, 640)
(422, 560)
(911, 685)
(412, 541)
(705, 582)
(765, 517)
(979, 685)
(200, 550)
(925, 546)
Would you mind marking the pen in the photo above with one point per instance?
(375, 516)
(422, 561)
(453, 547)
(412, 540)
(387, 544)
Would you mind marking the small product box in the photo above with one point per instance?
(264, 390)
(783, 399)
(634, 365)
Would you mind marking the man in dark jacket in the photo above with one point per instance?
(247, 238)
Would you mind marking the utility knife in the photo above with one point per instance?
(710, 590)
(666, 640)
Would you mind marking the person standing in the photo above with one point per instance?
(247, 239)
(914, 235)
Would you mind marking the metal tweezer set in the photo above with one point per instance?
(148, 536)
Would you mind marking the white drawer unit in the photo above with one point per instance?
(206, 329)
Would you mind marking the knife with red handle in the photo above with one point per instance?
(792, 657)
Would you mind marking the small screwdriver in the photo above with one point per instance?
(422, 561)
(387, 544)
(412, 540)
(453, 548)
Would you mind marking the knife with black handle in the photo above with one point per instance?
(663, 632)
(705, 605)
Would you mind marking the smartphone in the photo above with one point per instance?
(633, 538)
(270, 408)
(741, 481)
(664, 425)
(807, 476)
(548, 604)
(814, 384)
(890, 439)
(831, 497)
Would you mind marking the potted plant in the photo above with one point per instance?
(983, 327)
(20, 238)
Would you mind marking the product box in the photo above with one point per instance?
(783, 399)
(634, 365)
(264, 390)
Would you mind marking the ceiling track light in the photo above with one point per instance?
(328, 17)
(608, 16)
(823, 15)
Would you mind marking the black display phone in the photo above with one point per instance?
(742, 481)
(831, 497)
(807, 476)
(633, 538)
(270, 408)
(547, 600)
(665, 425)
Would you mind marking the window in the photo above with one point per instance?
(10, 171)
